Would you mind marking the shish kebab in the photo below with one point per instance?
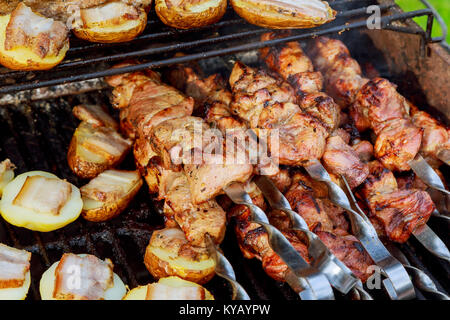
(146, 102)
(353, 260)
(152, 112)
(377, 105)
(209, 92)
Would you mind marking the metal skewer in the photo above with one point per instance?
(340, 277)
(420, 278)
(397, 282)
(225, 270)
(306, 280)
(427, 174)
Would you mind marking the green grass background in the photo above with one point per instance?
(442, 6)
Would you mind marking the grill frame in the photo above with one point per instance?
(79, 63)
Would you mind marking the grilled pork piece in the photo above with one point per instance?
(265, 103)
(253, 242)
(398, 212)
(341, 159)
(343, 76)
(436, 137)
(96, 277)
(14, 265)
(295, 67)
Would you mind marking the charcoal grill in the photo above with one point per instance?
(36, 126)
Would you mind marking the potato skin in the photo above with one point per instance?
(183, 19)
(161, 269)
(111, 210)
(113, 37)
(82, 168)
(265, 15)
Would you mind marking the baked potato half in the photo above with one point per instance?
(188, 14)
(49, 280)
(95, 149)
(170, 288)
(110, 23)
(40, 201)
(284, 14)
(6, 174)
(170, 254)
(107, 195)
(29, 41)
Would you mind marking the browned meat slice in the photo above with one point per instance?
(282, 180)
(322, 107)
(401, 212)
(306, 183)
(397, 143)
(377, 102)
(14, 264)
(343, 76)
(340, 159)
(319, 213)
(96, 277)
(379, 181)
(436, 137)
(301, 137)
(349, 250)
(44, 36)
(364, 149)
(253, 242)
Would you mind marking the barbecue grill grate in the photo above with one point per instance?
(158, 43)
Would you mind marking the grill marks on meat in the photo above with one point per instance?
(14, 265)
(266, 103)
(96, 276)
(397, 212)
(44, 36)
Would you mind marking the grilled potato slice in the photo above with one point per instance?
(187, 14)
(110, 23)
(40, 44)
(48, 280)
(6, 174)
(40, 201)
(284, 14)
(168, 284)
(170, 254)
(107, 195)
(96, 149)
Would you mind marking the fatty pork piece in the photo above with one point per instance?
(266, 104)
(398, 141)
(295, 67)
(96, 277)
(253, 242)
(340, 159)
(343, 75)
(14, 266)
(145, 101)
(436, 138)
(377, 102)
(188, 143)
(95, 115)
